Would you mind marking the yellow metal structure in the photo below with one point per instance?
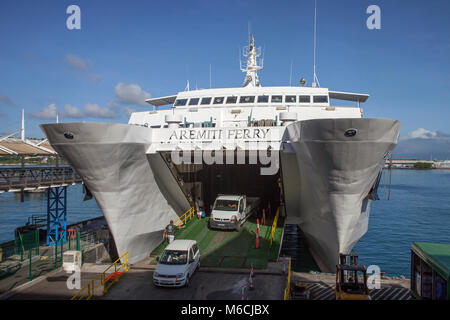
(287, 290)
(113, 277)
(351, 279)
(274, 226)
(86, 292)
(184, 218)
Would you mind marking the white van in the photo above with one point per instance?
(231, 211)
(177, 264)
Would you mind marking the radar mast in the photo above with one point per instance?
(252, 65)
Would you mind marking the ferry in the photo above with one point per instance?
(287, 145)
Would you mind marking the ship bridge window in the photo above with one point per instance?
(320, 99)
(180, 102)
(304, 99)
(277, 99)
(263, 98)
(218, 100)
(247, 99)
(232, 99)
(194, 101)
(290, 99)
(206, 100)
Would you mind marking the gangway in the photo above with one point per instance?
(36, 178)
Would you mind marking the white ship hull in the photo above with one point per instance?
(327, 192)
(326, 178)
(127, 183)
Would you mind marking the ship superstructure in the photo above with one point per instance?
(287, 145)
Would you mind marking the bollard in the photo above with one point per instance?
(250, 278)
(257, 226)
(29, 271)
(243, 293)
(264, 216)
(257, 240)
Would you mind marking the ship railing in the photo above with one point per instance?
(185, 217)
(287, 290)
(119, 269)
(274, 225)
(85, 293)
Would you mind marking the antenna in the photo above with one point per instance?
(290, 77)
(263, 55)
(187, 76)
(22, 131)
(240, 60)
(315, 76)
(210, 75)
(252, 65)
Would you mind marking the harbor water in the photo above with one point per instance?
(418, 210)
(14, 213)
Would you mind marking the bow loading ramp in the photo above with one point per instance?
(231, 249)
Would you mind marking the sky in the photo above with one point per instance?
(127, 51)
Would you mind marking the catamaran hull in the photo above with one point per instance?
(125, 181)
(335, 173)
(326, 179)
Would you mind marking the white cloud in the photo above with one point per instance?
(131, 94)
(47, 113)
(6, 100)
(129, 111)
(76, 62)
(95, 78)
(114, 105)
(94, 110)
(422, 133)
(90, 110)
(72, 112)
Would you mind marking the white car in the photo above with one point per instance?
(177, 264)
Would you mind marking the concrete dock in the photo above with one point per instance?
(206, 284)
(137, 284)
(322, 286)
